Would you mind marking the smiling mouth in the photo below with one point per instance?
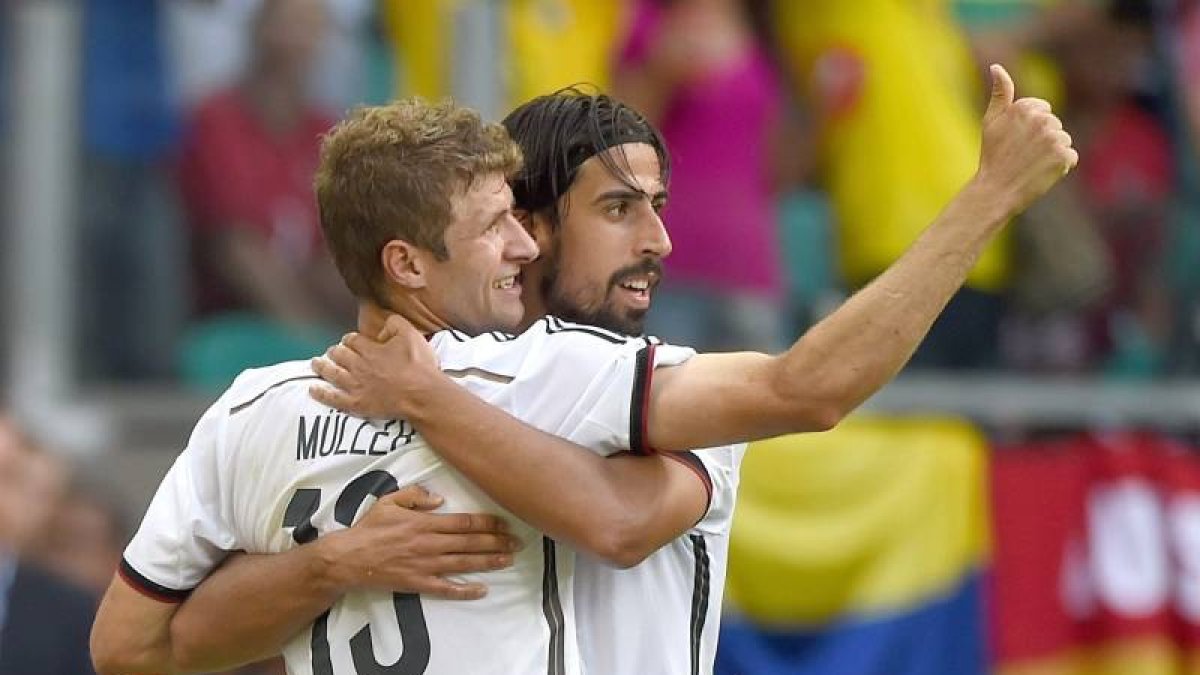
(638, 288)
(507, 283)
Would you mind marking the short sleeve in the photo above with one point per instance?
(186, 531)
(580, 382)
(617, 419)
(721, 464)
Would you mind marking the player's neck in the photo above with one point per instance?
(531, 294)
(372, 317)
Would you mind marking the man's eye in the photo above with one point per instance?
(617, 209)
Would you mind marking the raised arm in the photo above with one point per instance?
(140, 629)
(620, 508)
(851, 354)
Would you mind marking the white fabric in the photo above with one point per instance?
(265, 439)
(643, 619)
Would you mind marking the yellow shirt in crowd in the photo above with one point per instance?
(549, 44)
(900, 104)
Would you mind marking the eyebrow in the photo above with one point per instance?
(500, 213)
(628, 193)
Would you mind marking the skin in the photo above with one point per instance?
(398, 545)
(715, 399)
(610, 236)
(487, 248)
(288, 36)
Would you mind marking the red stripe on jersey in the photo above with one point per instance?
(148, 588)
(696, 465)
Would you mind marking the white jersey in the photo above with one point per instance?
(663, 615)
(267, 468)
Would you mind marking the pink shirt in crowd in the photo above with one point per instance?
(721, 213)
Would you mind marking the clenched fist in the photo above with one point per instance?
(1025, 149)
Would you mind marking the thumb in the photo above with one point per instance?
(1003, 91)
(396, 326)
(390, 329)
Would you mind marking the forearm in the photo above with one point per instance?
(715, 399)
(851, 354)
(130, 633)
(213, 629)
(605, 506)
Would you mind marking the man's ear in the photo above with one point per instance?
(404, 264)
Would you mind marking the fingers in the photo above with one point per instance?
(1034, 105)
(450, 590)
(396, 325)
(472, 543)
(333, 372)
(328, 396)
(461, 563)
(464, 523)
(413, 497)
(1062, 138)
(347, 351)
(1003, 91)
(1072, 157)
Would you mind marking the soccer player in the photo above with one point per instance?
(661, 615)
(827, 372)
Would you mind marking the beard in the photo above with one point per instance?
(601, 312)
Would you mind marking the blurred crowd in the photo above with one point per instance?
(62, 533)
(811, 141)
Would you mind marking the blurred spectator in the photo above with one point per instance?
(210, 47)
(898, 105)
(1121, 191)
(246, 178)
(5, 77)
(132, 300)
(1126, 176)
(1181, 35)
(44, 622)
(703, 74)
(496, 55)
(84, 537)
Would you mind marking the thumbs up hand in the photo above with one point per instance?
(1025, 149)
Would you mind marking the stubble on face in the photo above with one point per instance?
(595, 306)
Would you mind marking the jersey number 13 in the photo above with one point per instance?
(409, 616)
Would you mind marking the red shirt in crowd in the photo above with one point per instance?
(237, 173)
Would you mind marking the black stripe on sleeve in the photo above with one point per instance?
(554, 325)
(148, 588)
(242, 406)
(691, 461)
(700, 592)
(639, 402)
(552, 609)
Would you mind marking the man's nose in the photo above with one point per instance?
(655, 240)
(520, 247)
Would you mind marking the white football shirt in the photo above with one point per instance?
(663, 615)
(267, 468)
